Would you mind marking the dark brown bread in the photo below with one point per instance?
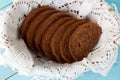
(33, 26)
(64, 51)
(41, 29)
(30, 17)
(58, 36)
(83, 40)
(55, 40)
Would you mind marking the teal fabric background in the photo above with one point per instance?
(7, 74)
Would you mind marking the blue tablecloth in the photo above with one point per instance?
(7, 74)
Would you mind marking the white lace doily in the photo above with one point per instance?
(15, 54)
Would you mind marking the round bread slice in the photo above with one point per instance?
(49, 33)
(29, 18)
(33, 25)
(83, 40)
(55, 40)
(64, 51)
(41, 29)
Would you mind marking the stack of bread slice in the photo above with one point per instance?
(58, 36)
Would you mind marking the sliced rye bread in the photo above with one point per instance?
(64, 51)
(83, 39)
(58, 36)
(41, 29)
(30, 17)
(33, 25)
(55, 40)
(49, 33)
